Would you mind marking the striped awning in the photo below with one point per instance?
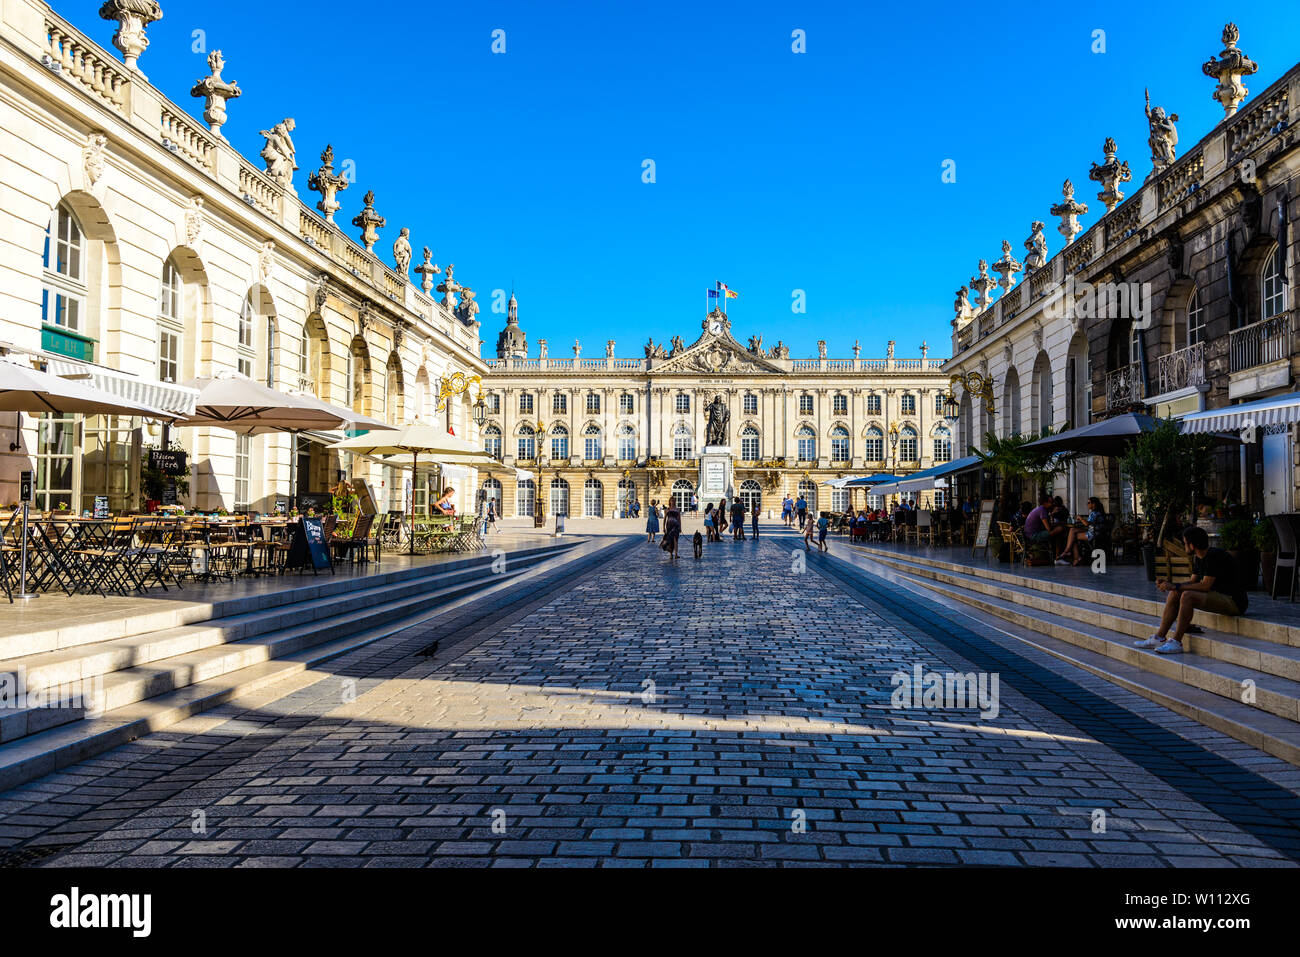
(1279, 410)
(150, 392)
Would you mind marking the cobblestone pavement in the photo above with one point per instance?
(735, 711)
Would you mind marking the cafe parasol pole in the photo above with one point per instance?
(415, 477)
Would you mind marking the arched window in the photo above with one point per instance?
(1195, 319)
(1043, 395)
(171, 323)
(306, 381)
(749, 444)
(839, 444)
(683, 443)
(751, 495)
(682, 492)
(1274, 285)
(559, 497)
(559, 442)
(244, 343)
(808, 492)
(942, 445)
(807, 442)
(593, 498)
(908, 448)
(626, 442)
(492, 492)
(874, 446)
(65, 291)
(527, 444)
(492, 441)
(525, 498)
(593, 441)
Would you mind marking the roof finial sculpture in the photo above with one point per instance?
(216, 91)
(983, 285)
(369, 222)
(280, 153)
(1007, 267)
(1164, 137)
(1230, 66)
(1069, 211)
(132, 17)
(328, 183)
(1036, 248)
(427, 269)
(1110, 174)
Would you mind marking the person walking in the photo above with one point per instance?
(722, 518)
(737, 520)
(801, 509)
(672, 530)
(709, 520)
(652, 520)
(787, 510)
(492, 514)
(823, 525)
(809, 526)
(695, 502)
(754, 519)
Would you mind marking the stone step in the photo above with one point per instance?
(189, 606)
(1273, 695)
(69, 665)
(134, 669)
(1243, 626)
(48, 750)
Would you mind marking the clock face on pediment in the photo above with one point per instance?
(716, 352)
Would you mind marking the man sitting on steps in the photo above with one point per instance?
(1215, 587)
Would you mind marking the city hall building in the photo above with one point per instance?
(1177, 300)
(587, 436)
(140, 251)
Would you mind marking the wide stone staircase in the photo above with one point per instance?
(1241, 676)
(67, 693)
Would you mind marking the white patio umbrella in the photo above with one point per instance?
(25, 389)
(415, 440)
(241, 405)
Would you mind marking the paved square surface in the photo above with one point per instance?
(733, 711)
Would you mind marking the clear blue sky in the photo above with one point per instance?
(775, 171)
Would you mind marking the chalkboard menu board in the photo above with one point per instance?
(167, 461)
(983, 528)
(309, 545)
(101, 506)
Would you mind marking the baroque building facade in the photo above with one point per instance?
(1178, 300)
(584, 437)
(140, 251)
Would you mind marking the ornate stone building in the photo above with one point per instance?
(141, 251)
(1178, 298)
(584, 436)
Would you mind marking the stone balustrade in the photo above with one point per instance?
(182, 135)
(85, 62)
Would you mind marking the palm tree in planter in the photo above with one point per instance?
(1011, 458)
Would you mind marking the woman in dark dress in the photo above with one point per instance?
(672, 529)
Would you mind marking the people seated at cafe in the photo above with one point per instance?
(1039, 529)
(1216, 587)
(445, 505)
(1088, 529)
(1022, 513)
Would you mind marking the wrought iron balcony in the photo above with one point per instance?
(1260, 343)
(1124, 386)
(1181, 370)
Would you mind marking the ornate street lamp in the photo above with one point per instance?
(480, 411)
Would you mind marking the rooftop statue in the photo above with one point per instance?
(1164, 136)
(280, 153)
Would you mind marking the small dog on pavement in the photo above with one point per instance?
(698, 543)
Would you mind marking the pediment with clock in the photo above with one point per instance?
(714, 352)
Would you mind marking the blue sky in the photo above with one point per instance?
(774, 171)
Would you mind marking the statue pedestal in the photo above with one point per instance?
(715, 473)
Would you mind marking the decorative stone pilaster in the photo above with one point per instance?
(1110, 174)
(1007, 267)
(1069, 211)
(427, 269)
(370, 222)
(215, 91)
(328, 183)
(132, 17)
(1230, 66)
(983, 285)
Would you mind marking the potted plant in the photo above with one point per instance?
(1265, 539)
(1238, 539)
(1167, 468)
(998, 547)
